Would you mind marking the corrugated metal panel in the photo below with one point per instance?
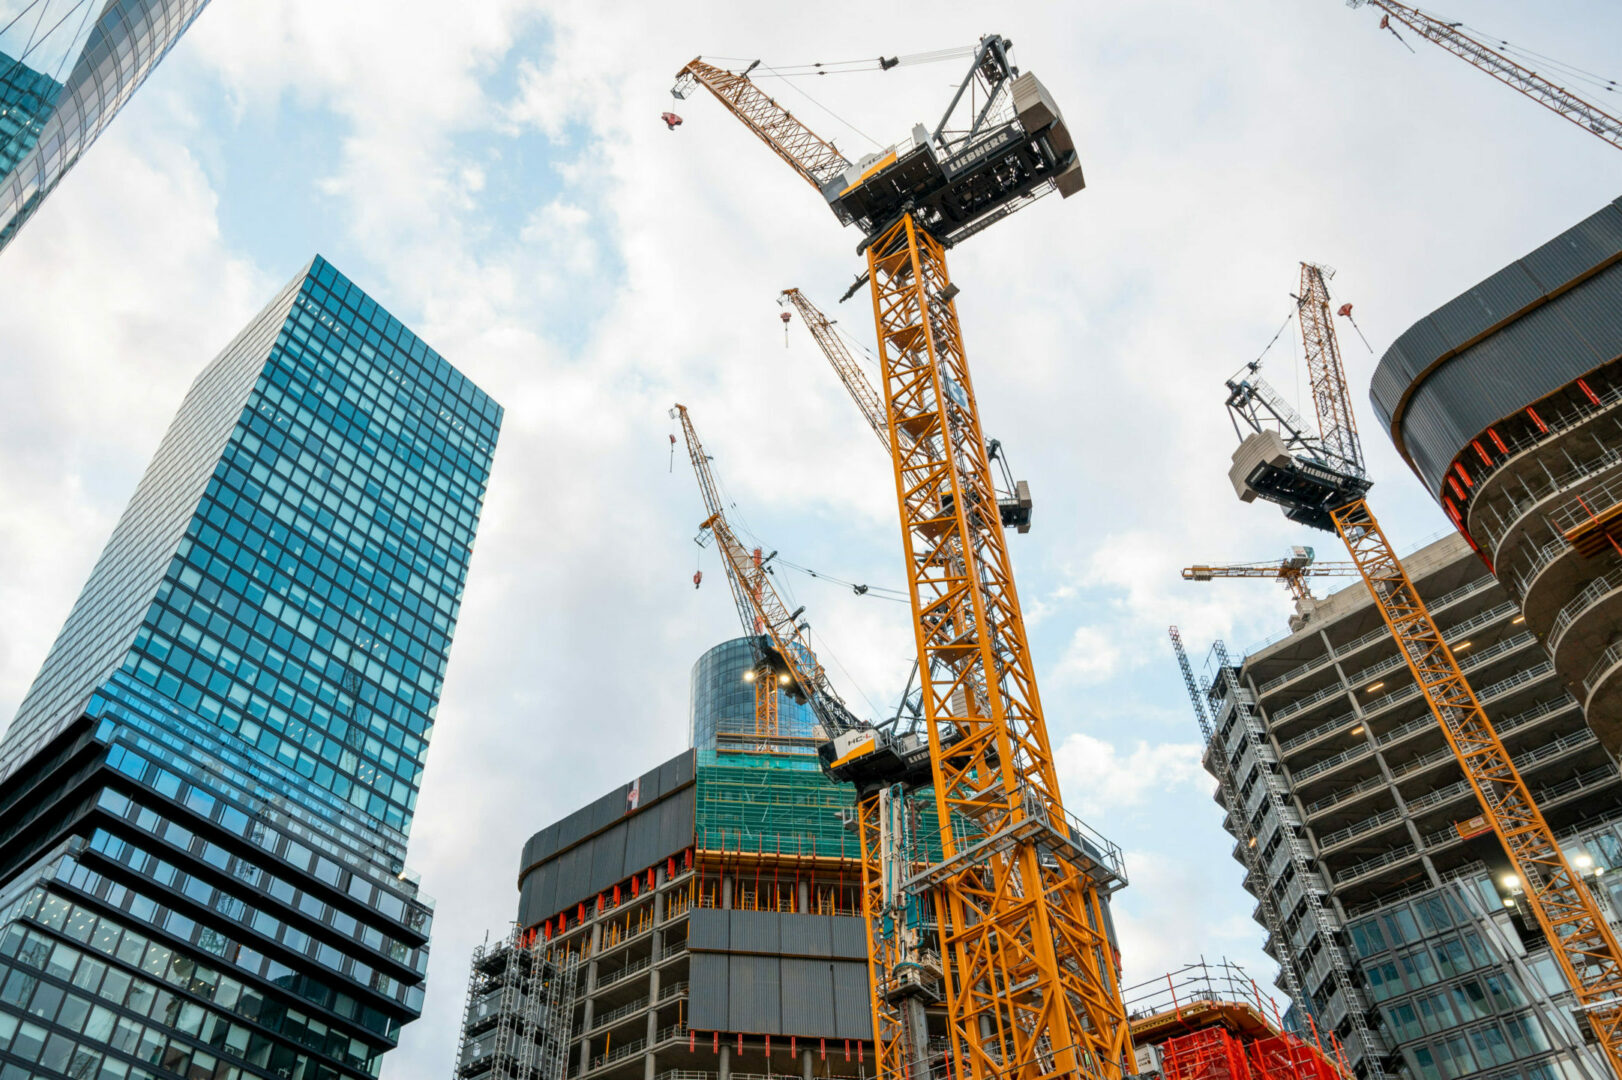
(756, 931)
(808, 999)
(849, 936)
(575, 827)
(1503, 376)
(574, 876)
(807, 935)
(609, 808)
(642, 840)
(708, 997)
(1527, 359)
(651, 786)
(1578, 249)
(853, 1015)
(676, 821)
(537, 896)
(708, 928)
(683, 770)
(1479, 309)
(754, 994)
(608, 858)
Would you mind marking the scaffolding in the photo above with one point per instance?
(1212, 1022)
(515, 1024)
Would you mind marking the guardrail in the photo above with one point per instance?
(1325, 728)
(1439, 795)
(1345, 794)
(1368, 866)
(1326, 764)
(1305, 703)
(1592, 593)
(1358, 828)
(1606, 659)
(1540, 488)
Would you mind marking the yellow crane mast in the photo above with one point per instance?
(1321, 481)
(1031, 987)
(1013, 496)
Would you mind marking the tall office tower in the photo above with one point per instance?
(1394, 896)
(1507, 402)
(205, 797)
(66, 68)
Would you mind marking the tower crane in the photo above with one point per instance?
(887, 762)
(1451, 37)
(1319, 480)
(1293, 571)
(784, 661)
(1031, 990)
(1013, 496)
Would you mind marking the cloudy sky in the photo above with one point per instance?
(496, 174)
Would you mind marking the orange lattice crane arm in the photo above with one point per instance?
(807, 153)
(844, 364)
(783, 646)
(1293, 576)
(1449, 36)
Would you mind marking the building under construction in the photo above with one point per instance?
(1374, 873)
(702, 920)
(1212, 1022)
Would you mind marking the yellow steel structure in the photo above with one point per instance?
(1574, 924)
(1031, 986)
(1576, 928)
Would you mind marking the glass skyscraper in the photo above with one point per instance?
(66, 68)
(205, 796)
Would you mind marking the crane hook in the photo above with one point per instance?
(698, 578)
(672, 121)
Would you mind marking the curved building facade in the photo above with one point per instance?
(1507, 402)
(722, 700)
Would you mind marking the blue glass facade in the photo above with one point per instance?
(66, 68)
(722, 700)
(205, 796)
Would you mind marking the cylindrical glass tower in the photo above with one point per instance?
(722, 700)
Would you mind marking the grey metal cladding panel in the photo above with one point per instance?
(708, 928)
(685, 766)
(574, 828)
(608, 857)
(807, 935)
(610, 808)
(707, 997)
(1578, 249)
(642, 840)
(676, 820)
(1486, 305)
(808, 999)
(853, 1010)
(1594, 310)
(849, 935)
(649, 788)
(537, 898)
(669, 773)
(756, 931)
(1504, 373)
(755, 994)
(574, 876)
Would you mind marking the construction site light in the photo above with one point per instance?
(1461, 646)
(1582, 862)
(1372, 689)
(1518, 619)
(749, 676)
(1358, 730)
(1510, 881)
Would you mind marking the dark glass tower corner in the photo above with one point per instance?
(205, 796)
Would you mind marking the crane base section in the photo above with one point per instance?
(1308, 491)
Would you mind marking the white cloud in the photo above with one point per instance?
(1092, 656)
(1099, 779)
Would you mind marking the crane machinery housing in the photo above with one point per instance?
(1031, 984)
(1319, 479)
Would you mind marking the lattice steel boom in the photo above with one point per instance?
(1031, 984)
(785, 660)
(1293, 577)
(1337, 427)
(844, 364)
(1554, 98)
